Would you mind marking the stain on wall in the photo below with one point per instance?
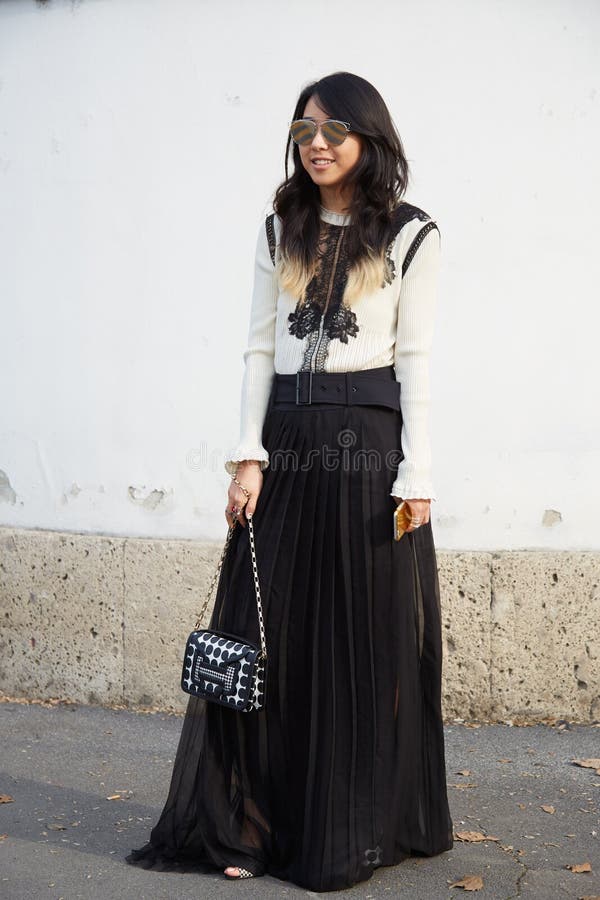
(7, 493)
(551, 517)
(148, 499)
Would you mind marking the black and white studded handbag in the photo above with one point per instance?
(221, 667)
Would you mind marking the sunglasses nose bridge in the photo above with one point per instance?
(319, 132)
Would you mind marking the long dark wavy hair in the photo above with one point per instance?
(379, 178)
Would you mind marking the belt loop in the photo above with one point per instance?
(348, 380)
(300, 402)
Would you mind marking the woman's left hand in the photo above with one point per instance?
(419, 511)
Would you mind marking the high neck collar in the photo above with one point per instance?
(334, 218)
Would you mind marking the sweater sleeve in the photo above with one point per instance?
(258, 359)
(415, 326)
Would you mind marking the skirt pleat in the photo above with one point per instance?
(343, 771)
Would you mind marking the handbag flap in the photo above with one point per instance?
(220, 665)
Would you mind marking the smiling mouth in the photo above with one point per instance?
(322, 163)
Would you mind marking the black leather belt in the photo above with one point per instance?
(373, 387)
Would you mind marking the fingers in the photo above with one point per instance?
(243, 507)
(414, 525)
(247, 510)
(234, 509)
(419, 513)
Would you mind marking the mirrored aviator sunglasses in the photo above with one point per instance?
(334, 131)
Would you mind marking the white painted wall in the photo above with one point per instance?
(140, 142)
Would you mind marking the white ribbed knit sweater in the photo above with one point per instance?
(393, 325)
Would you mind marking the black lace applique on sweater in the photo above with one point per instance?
(391, 270)
(406, 212)
(324, 316)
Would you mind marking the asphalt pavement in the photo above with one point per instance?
(81, 786)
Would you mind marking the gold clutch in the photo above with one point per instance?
(401, 519)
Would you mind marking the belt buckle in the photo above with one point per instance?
(300, 402)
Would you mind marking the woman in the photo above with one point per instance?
(343, 770)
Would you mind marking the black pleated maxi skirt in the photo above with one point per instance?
(343, 770)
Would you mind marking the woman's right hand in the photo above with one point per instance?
(248, 473)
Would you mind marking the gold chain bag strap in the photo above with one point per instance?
(222, 667)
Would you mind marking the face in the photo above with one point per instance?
(335, 162)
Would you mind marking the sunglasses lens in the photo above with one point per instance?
(334, 132)
(302, 131)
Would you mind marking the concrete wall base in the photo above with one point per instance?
(103, 620)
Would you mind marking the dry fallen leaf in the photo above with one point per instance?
(522, 805)
(505, 760)
(121, 795)
(588, 764)
(461, 785)
(579, 867)
(4, 798)
(547, 808)
(463, 772)
(54, 826)
(473, 836)
(469, 883)
(3, 837)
